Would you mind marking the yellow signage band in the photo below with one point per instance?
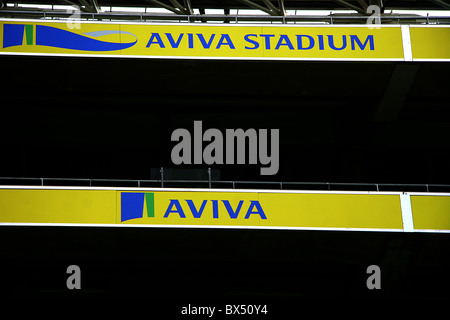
(223, 208)
(214, 41)
(202, 41)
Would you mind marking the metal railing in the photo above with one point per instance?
(155, 17)
(223, 184)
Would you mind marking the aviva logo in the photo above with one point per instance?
(137, 205)
(14, 35)
(133, 205)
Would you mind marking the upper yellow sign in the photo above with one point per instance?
(430, 42)
(202, 41)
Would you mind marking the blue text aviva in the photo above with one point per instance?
(254, 208)
(266, 41)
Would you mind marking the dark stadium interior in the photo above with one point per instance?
(171, 267)
(377, 122)
(112, 118)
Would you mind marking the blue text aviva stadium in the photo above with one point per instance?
(13, 35)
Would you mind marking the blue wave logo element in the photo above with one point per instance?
(59, 38)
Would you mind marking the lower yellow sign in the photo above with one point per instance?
(57, 206)
(238, 209)
(431, 212)
(245, 209)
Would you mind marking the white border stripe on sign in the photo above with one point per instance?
(406, 38)
(407, 216)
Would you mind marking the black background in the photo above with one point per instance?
(112, 118)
